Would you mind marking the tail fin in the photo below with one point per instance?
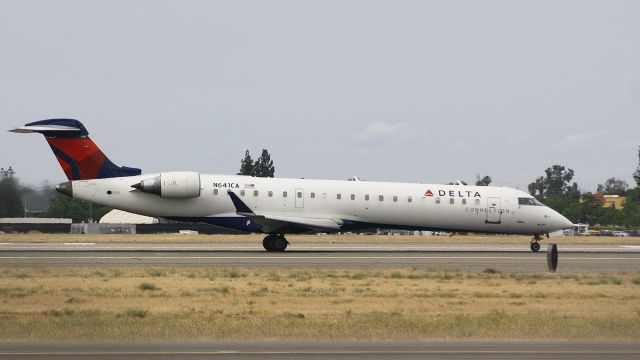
(79, 156)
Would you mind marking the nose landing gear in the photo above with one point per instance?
(535, 243)
(275, 242)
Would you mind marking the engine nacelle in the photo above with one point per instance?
(172, 185)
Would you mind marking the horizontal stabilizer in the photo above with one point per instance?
(42, 129)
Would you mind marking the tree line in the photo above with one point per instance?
(263, 167)
(10, 195)
(13, 194)
(557, 190)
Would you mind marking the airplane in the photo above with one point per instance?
(280, 206)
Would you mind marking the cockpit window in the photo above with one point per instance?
(529, 201)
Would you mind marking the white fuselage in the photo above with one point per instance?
(352, 205)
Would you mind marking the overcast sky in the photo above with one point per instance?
(411, 91)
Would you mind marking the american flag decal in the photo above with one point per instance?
(249, 186)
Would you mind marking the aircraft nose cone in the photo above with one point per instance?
(65, 188)
(563, 222)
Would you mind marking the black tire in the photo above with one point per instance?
(535, 246)
(552, 257)
(279, 243)
(267, 242)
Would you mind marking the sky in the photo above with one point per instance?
(407, 91)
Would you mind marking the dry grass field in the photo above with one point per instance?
(182, 303)
(257, 238)
(235, 303)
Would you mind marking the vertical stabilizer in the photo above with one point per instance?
(79, 157)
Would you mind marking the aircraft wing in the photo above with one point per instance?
(271, 223)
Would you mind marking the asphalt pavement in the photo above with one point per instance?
(450, 256)
(323, 350)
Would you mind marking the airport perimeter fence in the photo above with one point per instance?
(175, 228)
(114, 228)
(43, 228)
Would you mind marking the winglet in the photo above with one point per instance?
(241, 207)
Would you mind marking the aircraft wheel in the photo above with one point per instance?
(535, 246)
(275, 242)
(267, 242)
(279, 243)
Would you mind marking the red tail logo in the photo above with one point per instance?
(79, 157)
(428, 193)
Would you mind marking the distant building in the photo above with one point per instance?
(114, 222)
(123, 217)
(578, 230)
(612, 201)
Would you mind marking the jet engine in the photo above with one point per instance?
(172, 185)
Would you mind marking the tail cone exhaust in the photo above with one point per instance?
(65, 188)
(151, 186)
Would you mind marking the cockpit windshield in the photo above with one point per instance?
(529, 201)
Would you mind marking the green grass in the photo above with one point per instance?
(148, 286)
(137, 313)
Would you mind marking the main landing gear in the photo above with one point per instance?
(275, 242)
(535, 243)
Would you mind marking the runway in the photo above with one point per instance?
(449, 256)
(324, 350)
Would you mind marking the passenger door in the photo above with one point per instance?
(493, 210)
(299, 198)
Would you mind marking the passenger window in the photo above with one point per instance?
(299, 194)
(409, 199)
(339, 196)
(451, 201)
(324, 196)
(312, 195)
(284, 194)
(437, 200)
(464, 201)
(395, 199)
(477, 202)
(353, 196)
(270, 194)
(366, 197)
(255, 192)
(241, 192)
(381, 198)
(215, 191)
